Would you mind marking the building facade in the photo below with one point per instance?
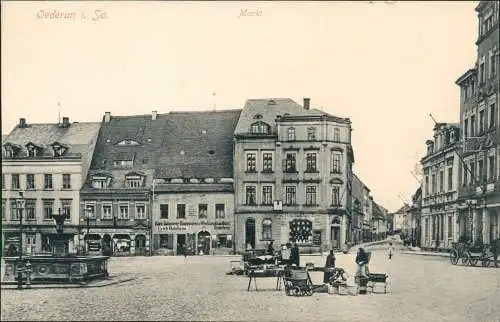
(361, 214)
(45, 165)
(441, 168)
(116, 198)
(292, 170)
(479, 192)
(193, 195)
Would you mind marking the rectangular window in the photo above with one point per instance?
(90, 211)
(480, 171)
(99, 183)
(267, 231)
(493, 65)
(450, 226)
(203, 211)
(123, 211)
(482, 73)
(433, 183)
(166, 241)
(481, 121)
(134, 182)
(492, 116)
(30, 181)
(311, 162)
(491, 166)
(267, 195)
(466, 128)
(472, 173)
(30, 208)
(66, 207)
(219, 211)
(311, 134)
(336, 196)
(140, 211)
(336, 162)
(336, 134)
(441, 181)
(267, 162)
(310, 195)
(164, 211)
(290, 164)
(47, 182)
(3, 208)
(107, 212)
(15, 182)
(290, 195)
(450, 179)
(473, 125)
(466, 174)
(251, 195)
(48, 209)
(426, 185)
(181, 211)
(291, 134)
(251, 162)
(14, 210)
(66, 181)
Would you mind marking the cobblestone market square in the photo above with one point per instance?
(421, 288)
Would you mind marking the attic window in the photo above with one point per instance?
(58, 150)
(259, 128)
(32, 151)
(211, 152)
(257, 116)
(134, 181)
(123, 163)
(100, 182)
(9, 152)
(128, 142)
(271, 102)
(108, 141)
(149, 139)
(204, 131)
(182, 152)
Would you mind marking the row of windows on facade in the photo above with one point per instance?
(33, 150)
(469, 176)
(444, 138)
(264, 128)
(290, 162)
(438, 225)
(470, 123)
(488, 19)
(29, 210)
(470, 89)
(48, 181)
(202, 211)
(290, 195)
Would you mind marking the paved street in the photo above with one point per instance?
(422, 288)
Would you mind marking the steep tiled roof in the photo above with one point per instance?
(377, 211)
(4, 137)
(269, 109)
(197, 145)
(80, 138)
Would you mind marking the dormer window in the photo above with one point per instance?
(123, 163)
(11, 150)
(128, 142)
(101, 182)
(59, 149)
(452, 136)
(259, 128)
(33, 150)
(134, 180)
(257, 116)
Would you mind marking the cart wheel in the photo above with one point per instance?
(309, 292)
(473, 261)
(296, 291)
(485, 262)
(465, 259)
(454, 257)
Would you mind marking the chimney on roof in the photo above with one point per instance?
(153, 115)
(307, 101)
(107, 117)
(65, 122)
(22, 122)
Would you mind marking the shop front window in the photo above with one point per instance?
(301, 230)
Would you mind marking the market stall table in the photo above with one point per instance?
(258, 272)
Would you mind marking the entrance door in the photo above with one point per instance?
(181, 244)
(335, 237)
(204, 240)
(140, 245)
(250, 233)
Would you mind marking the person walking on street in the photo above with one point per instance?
(391, 250)
(295, 254)
(362, 261)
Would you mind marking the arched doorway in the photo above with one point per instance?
(121, 244)
(106, 245)
(140, 245)
(250, 233)
(204, 240)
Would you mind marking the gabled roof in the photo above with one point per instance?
(197, 145)
(269, 109)
(80, 137)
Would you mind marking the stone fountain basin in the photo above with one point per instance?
(48, 269)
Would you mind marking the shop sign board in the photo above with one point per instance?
(185, 226)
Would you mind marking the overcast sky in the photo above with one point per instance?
(386, 66)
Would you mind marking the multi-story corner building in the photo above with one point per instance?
(361, 215)
(44, 165)
(440, 187)
(193, 207)
(292, 170)
(479, 191)
(115, 200)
